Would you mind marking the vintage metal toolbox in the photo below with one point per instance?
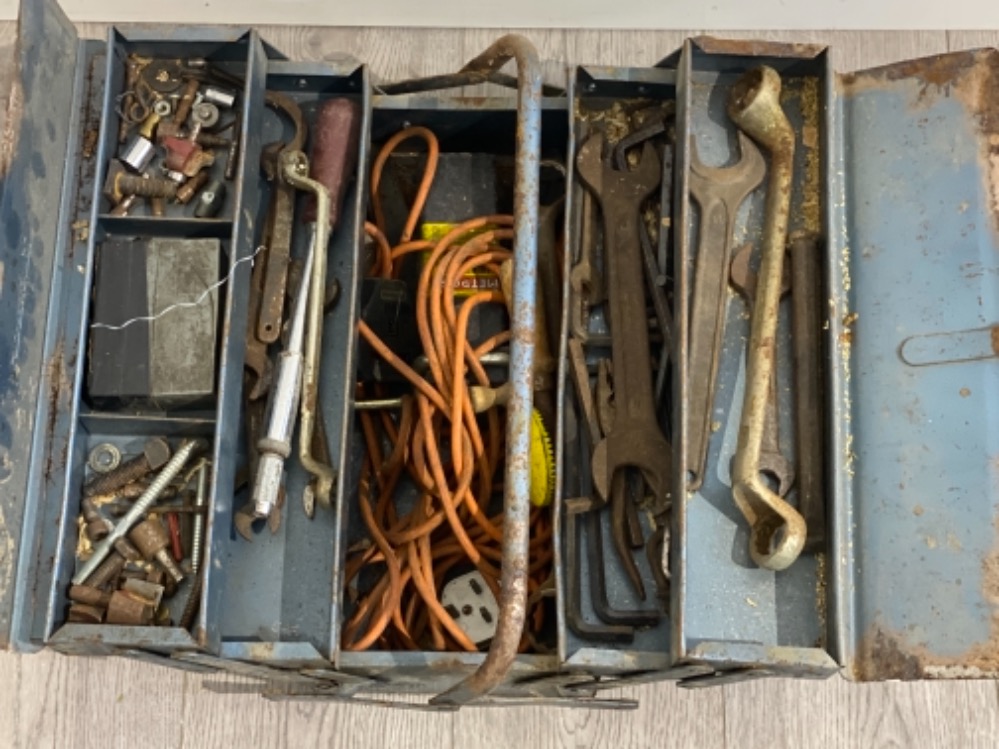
(896, 173)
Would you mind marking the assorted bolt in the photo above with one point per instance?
(155, 454)
(131, 568)
(169, 111)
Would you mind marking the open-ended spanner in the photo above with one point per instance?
(773, 463)
(280, 221)
(719, 192)
(635, 438)
(777, 530)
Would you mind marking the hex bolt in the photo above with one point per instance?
(107, 572)
(198, 533)
(157, 206)
(155, 454)
(97, 526)
(90, 596)
(120, 183)
(153, 541)
(141, 506)
(190, 188)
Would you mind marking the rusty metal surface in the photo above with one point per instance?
(39, 83)
(915, 447)
(756, 47)
(516, 494)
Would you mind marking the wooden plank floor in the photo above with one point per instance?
(50, 700)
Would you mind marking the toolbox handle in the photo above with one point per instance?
(517, 484)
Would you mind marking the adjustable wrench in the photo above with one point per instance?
(635, 438)
(719, 193)
(772, 460)
(777, 530)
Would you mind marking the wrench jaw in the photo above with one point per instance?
(633, 446)
(777, 530)
(600, 176)
(754, 105)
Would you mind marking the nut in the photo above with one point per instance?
(150, 593)
(205, 114)
(90, 596)
(82, 613)
(163, 108)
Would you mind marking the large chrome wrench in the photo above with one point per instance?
(635, 438)
(777, 530)
(719, 192)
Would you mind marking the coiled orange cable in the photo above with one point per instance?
(450, 454)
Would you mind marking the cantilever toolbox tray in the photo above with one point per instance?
(894, 188)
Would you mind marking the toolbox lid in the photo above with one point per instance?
(914, 335)
(37, 77)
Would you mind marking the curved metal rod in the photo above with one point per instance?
(465, 77)
(517, 484)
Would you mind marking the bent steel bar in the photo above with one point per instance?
(517, 484)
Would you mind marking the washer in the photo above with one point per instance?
(104, 458)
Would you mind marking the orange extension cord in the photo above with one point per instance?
(452, 455)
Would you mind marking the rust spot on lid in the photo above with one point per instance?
(11, 107)
(883, 654)
(971, 78)
(757, 48)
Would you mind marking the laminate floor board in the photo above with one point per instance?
(49, 700)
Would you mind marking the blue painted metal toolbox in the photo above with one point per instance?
(477, 494)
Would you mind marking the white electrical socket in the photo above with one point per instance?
(472, 605)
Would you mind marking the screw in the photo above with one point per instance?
(154, 455)
(152, 541)
(191, 607)
(198, 531)
(141, 506)
(120, 183)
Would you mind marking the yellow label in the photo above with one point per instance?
(473, 281)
